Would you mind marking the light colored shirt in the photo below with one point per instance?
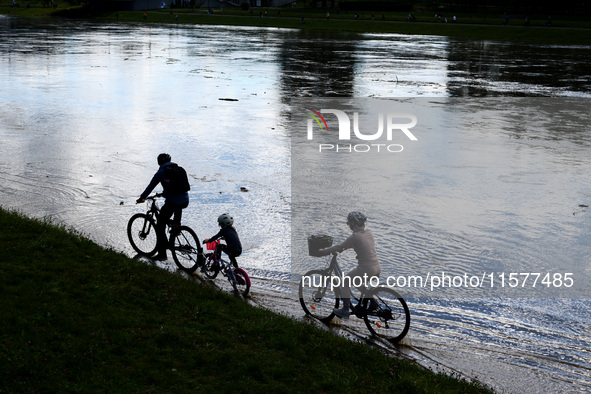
(362, 242)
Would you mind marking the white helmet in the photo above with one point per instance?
(225, 220)
(356, 219)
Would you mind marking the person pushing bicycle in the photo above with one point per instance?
(233, 246)
(177, 198)
(362, 242)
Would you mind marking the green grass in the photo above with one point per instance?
(565, 30)
(76, 317)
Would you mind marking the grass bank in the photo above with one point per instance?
(76, 317)
(565, 29)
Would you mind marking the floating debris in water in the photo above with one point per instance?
(582, 210)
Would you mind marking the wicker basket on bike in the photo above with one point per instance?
(317, 242)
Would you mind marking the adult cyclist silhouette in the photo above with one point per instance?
(174, 203)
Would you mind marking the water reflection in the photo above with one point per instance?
(484, 68)
(317, 64)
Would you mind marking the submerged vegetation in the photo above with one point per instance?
(76, 317)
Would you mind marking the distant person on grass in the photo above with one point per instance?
(175, 187)
(362, 242)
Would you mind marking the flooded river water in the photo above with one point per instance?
(85, 109)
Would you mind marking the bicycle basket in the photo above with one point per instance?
(317, 242)
(212, 245)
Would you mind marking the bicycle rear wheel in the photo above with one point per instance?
(316, 297)
(386, 314)
(187, 252)
(242, 281)
(141, 231)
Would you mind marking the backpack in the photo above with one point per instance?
(175, 179)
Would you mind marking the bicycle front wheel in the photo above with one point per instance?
(186, 249)
(316, 296)
(211, 267)
(386, 314)
(141, 231)
(242, 281)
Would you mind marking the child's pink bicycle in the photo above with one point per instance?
(214, 263)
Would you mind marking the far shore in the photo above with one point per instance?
(535, 29)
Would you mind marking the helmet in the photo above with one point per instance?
(356, 219)
(163, 158)
(225, 220)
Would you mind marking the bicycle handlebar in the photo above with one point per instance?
(153, 197)
(328, 254)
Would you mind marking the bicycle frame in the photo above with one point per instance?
(227, 270)
(335, 268)
(154, 212)
(226, 267)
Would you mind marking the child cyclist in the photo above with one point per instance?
(233, 247)
(363, 244)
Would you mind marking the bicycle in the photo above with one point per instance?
(214, 264)
(183, 243)
(383, 310)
